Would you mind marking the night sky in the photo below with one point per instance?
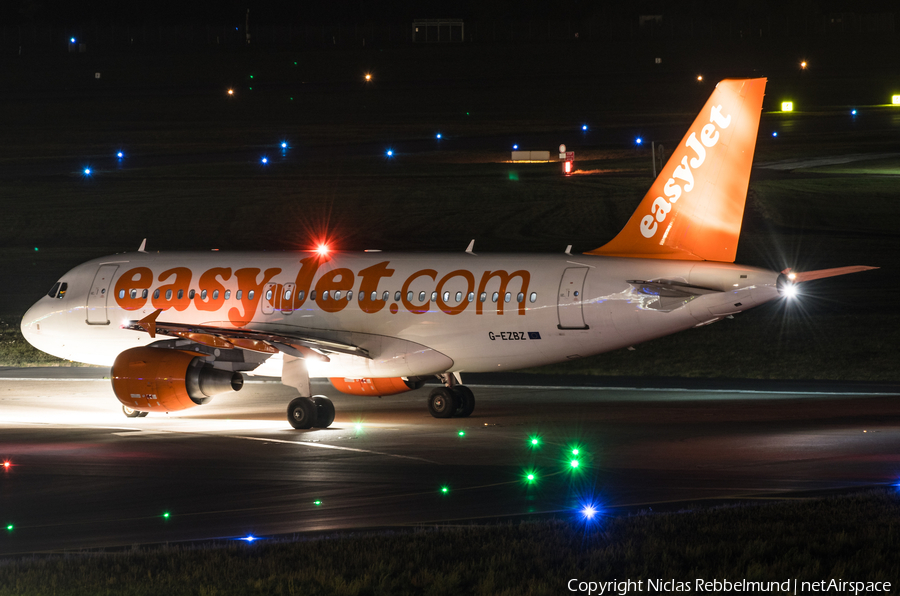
(24, 12)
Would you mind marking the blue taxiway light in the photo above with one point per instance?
(584, 127)
(774, 133)
(71, 40)
(264, 160)
(390, 153)
(120, 155)
(438, 136)
(284, 145)
(249, 538)
(87, 171)
(639, 140)
(853, 112)
(515, 147)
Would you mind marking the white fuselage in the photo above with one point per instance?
(443, 313)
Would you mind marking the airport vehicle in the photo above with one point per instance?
(180, 328)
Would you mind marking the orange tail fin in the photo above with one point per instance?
(695, 207)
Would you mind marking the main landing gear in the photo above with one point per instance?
(452, 400)
(310, 412)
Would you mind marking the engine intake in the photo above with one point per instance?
(165, 380)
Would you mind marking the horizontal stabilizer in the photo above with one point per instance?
(823, 273)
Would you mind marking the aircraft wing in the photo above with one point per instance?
(294, 344)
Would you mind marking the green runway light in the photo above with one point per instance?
(461, 433)
(534, 441)
(445, 489)
(35, 249)
(574, 463)
(9, 527)
(166, 515)
(317, 502)
(575, 451)
(530, 477)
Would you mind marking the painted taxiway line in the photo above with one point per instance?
(326, 446)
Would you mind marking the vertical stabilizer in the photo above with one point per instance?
(695, 207)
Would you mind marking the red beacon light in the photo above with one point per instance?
(322, 249)
(7, 464)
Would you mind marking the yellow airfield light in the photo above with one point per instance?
(368, 77)
(895, 99)
(803, 65)
(231, 92)
(787, 106)
(699, 77)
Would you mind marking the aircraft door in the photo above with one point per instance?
(569, 304)
(287, 299)
(97, 298)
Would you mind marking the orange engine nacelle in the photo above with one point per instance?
(165, 380)
(375, 386)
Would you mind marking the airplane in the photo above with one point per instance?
(180, 328)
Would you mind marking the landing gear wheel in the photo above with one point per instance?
(143, 414)
(301, 413)
(324, 411)
(442, 403)
(131, 413)
(466, 400)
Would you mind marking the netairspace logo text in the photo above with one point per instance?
(791, 586)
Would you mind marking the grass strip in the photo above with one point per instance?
(851, 537)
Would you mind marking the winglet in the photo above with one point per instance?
(148, 323)
(143, 247)
(471, 247)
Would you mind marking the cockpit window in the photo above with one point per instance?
(53, 290)
(62, 290)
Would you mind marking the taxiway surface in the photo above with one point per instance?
(81, 475)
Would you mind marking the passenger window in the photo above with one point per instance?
(156, 294)
(362, 296)
(216, 295)
(349, 295)
(133, 294)
(62, 290)
(409, 296)
(300, 295)
(287, 294)
(386, 296)
(191, 294)
(312, 295)
(180, 294)
(374, 296)
(446, 297)
(520, 297)
(459, 296)
(203, 294)
(471, 297)
(495, 297)
(227, 294)
(268, 294)
(508, 297)
(53, 290)
(238, 294)
(250, 295)
(397, 296)
(533, 297)
(168, 294)
(421, 296)
(337, 294)
(143, 294)
(483, 296)
(433, 296)
(121, 293)
(325, 295)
